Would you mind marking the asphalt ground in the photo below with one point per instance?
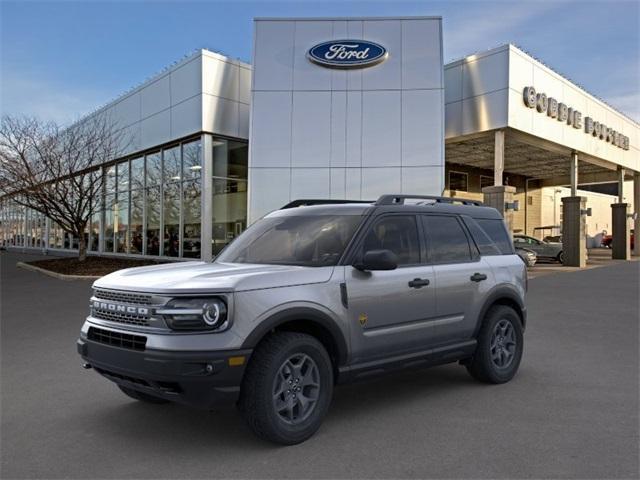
(571, 412)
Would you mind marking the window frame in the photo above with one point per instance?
(466, 175)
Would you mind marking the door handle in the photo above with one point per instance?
(418, 283)
(478, 277)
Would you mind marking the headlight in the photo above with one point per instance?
(195, 314)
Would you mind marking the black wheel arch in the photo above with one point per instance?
(507, 296)
(304, 320)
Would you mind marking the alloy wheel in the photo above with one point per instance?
(296, 389)
(503, 344)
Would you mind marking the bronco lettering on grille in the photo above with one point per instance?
(114, 307)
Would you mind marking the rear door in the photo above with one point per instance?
(390, 311)
(462, 277)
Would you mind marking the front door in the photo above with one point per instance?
(390, 311)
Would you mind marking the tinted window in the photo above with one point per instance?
(398, 234)
(311, 240)
(447, 240)
(482, 240)
(498, 233)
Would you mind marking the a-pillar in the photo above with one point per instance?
(574, 224)
(636, 210)
(498, 197)
(620, 248)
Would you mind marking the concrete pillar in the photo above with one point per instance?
(206, 200)
(498, 158)
(573, 231)
(620, 249)
(636, 210)
(574, 173)
(497, 197)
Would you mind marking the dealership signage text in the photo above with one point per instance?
(570, 116)
(347, 54)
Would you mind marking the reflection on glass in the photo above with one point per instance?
(171, 220)
(192, 219)
(153, 221)
(137, 173)
(110, 179)
(172, 167)
(108, 222)
(154, 169)
(121, 222)
(95, 232)
(123, 176)
(192, 161)
(229, 211)
(135, 224)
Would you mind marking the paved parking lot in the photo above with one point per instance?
(572, 411)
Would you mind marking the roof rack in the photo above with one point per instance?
(318, 201)
(399, 200)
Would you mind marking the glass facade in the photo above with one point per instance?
(151, 205)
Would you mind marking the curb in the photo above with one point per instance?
(59, 276)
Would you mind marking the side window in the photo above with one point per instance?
(484, 243)
(398, 233)
(497, 232)
(446, 239)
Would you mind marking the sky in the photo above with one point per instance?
(62, 59)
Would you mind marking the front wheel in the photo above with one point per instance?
(500, 345)
(287, 388)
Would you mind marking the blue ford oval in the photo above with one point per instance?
(347, 54)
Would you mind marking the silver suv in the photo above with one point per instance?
(312, 295)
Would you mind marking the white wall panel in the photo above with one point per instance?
(353, 183)
(338, 129)
(422, 135)
(378, 181)
(338, 182)
(453, 84)
(453, 119)
(486, 74)
(417, 56)
(127, 110)
(355, 30)
(186, 80)
(220, 115)
(156, 97)
(485, 112)
(416, 180)
(381, 128)
(271, 130)
(220, 78)
(245, 85)
(310, 183)
(273, 55)
(243, 120)
(388, 74)
(311, 129)
(269, 190)
(156, 129)
(354, 129)
(308, 75)
(186, 117)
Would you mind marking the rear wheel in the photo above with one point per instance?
(500, 345)
(287, 388)
(561, 257)
(143, 397)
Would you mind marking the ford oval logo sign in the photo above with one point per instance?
(347, 54)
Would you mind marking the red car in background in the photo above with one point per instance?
(608, 239)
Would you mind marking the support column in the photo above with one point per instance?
(206, 200)
(497, 197)
(573, 232)
(636, 210)
(574, 173)
(620, 249)
(498, 158)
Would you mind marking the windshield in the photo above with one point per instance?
(309, 241)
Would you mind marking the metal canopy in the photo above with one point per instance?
(534, 162)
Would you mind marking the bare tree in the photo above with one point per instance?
(55, 170)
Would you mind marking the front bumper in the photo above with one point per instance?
(198, 379)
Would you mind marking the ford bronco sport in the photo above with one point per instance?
(312, 295)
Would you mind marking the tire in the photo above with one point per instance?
(485, 365)
(141, 396)
(560, 257)
(270, 396)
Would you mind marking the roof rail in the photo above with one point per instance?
(399, 200)
(319, 201)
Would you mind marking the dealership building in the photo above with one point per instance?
(351, 109)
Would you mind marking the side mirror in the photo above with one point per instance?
(378, 260)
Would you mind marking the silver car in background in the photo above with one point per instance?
(543, 250)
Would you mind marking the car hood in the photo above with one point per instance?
(202, 277)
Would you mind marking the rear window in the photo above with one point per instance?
(497, 232)
(486, 246)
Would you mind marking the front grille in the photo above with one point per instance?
(117, 339)
(129, 319)
(124, 297)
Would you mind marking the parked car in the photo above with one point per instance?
(529, 257)
(309, 297)
(552, 239)
(543, 250)
(607, 240)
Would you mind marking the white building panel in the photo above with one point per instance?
(387, 75)
(186, 80)
(220, 78)
(186, 117)
(419, 148)
(310, 183)
(419, 179)
(155, 130)
(306, 75)
(220, 115)
(418, 61)
(156, 96)
(485, 74)
(381, 127)
(311, 129)
(270, 144)
(273, 55)
(269, 189)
